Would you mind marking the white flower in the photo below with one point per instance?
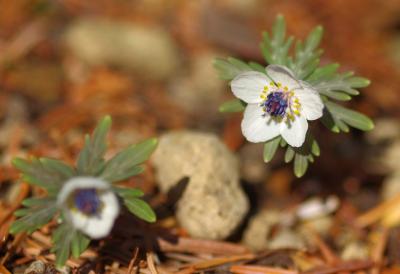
(90, 205)
(278, 104)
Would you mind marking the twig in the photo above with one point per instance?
(378, 251)
(202, 246)
(345, 266)
(255, 269)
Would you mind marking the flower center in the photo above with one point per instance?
(276, 103)
(87, 201)
(279, 102)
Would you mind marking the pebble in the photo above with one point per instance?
(148, 51)
(213, 203)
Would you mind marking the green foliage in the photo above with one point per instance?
(332, 85)
(270, 148)
(234, 105)
(44, 172)
(135, 205)
(91, 158)
(125, 163)
(275, 47)
(66, 240)
(38, 212)
(51, 174)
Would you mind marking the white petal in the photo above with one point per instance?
(294, 132)
(257, 128)
(311, 103)
(97, 226)
(93, 226)
(249, 85)
(77, 183)
(283, 75)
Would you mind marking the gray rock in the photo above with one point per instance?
(213, 203)
(391, 186)
(355, 251)
(37, 267)
(257, 233)
(148, 51)
(200, 92)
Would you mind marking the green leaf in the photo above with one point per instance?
(91, 158)
(41, 211)
(270, 148)
(79, 244)
(342, 115)
(128, 193)
(323, 73)
(327, 121)
(275, 48)
(67, 239)
(124, 164)
(343, 82)
(307, 55)
(228, 70)
(44, 172)
(289, 154)
(315, 147)
(234, 105)
(141, 209)
(300, 165)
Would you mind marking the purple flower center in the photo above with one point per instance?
(276, 103)
(87, 201)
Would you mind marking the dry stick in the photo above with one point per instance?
(378, 251)
(373, 215)
(133, 260)
(345, 266)
(255, 269)
(327, 253)
(221, 261)
(150, 263)
(197, 246)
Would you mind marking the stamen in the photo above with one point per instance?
(87, 201)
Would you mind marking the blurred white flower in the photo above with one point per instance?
(278, 104)
(90, 205)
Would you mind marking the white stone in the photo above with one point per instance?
(213, 204)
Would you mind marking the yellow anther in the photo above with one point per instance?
(262, 96)
(296, 111)
(265, 87)
(291, 93)
(279, 85)
(272, 83)
(286, 88)
(296, 101)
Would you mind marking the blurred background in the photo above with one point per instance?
(66, 63)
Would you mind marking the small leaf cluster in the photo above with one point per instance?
(51, 174)
(303, 58)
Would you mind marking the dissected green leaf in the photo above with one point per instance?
(91, 158)
(235, 105)
(47, 173)
(275, 47)
(66, 240)
(342, 115)
(127, 193)
(79, 243)
(270, 148)
(39, 213)
(124, 164)
(141, 209)
(289, 154)
(300, 164)
(227, 71)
